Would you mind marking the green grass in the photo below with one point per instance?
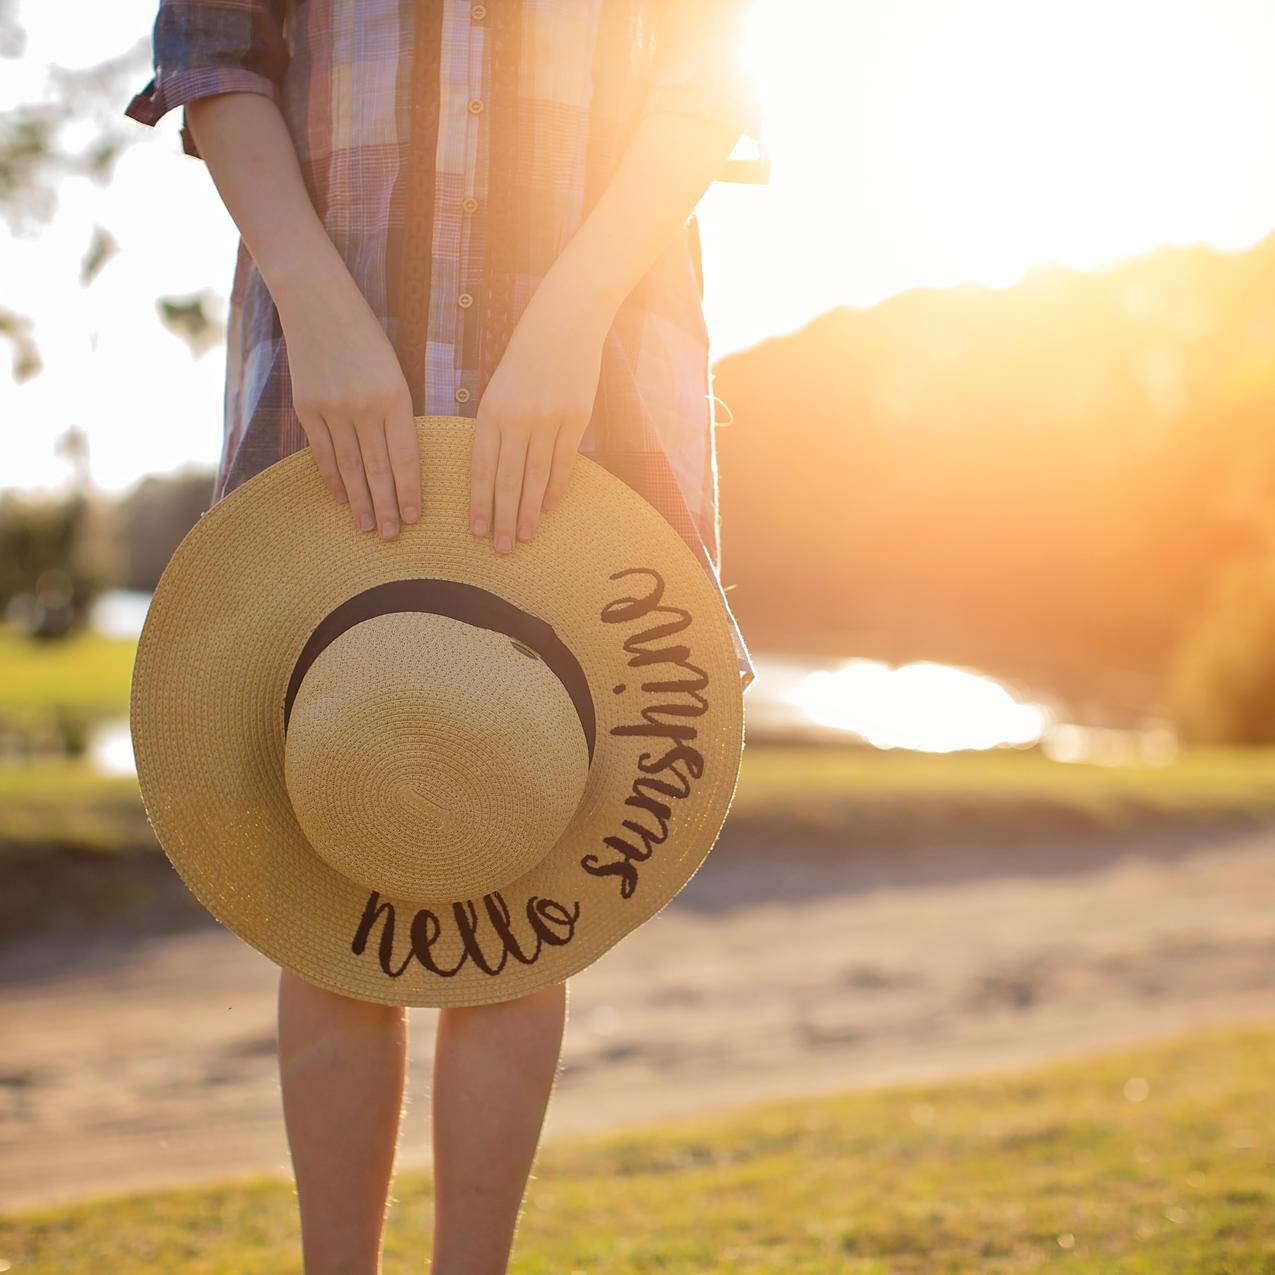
(854, 793)
(859, 794)
(85, 675)
(66, 806)
(1158, 1160)
(999, 795)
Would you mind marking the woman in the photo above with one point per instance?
(456, 209)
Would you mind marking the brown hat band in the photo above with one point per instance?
(457, 600)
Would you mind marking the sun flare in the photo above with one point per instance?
(967, 142)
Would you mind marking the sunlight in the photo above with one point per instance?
(915, 143)
(967, 142)
(930, 707)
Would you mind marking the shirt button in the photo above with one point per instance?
(478, 12)
(469, 204)
(462, 395)
(475, 105)
(465, 300)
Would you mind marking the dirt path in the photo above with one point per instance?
(770, 975)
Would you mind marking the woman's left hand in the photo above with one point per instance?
(533, 415)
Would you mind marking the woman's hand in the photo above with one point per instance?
(353, 402)
(533, 414)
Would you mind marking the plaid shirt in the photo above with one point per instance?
(451, 149)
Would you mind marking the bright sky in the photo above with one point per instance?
(913, 142)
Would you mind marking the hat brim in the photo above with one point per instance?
(235, 606)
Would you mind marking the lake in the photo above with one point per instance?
(922, 705)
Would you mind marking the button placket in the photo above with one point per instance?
(469, 205)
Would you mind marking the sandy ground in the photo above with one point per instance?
(772, 974)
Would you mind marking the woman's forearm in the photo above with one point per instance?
(665, 170)
(536, 407)
(250, 154)
(348, 388)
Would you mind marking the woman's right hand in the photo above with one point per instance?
(353, 402)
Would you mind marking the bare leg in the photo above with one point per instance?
(342, 1064)
(494, 1067)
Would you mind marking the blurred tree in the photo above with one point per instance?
(35, 158)
(153, 518)
(26, 358)
(47, 579)
(1041, 480)
(194, 319)
(1222, 683)
(73, 447)
(56, 555)
(101, 249)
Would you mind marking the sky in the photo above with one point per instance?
(913, 143)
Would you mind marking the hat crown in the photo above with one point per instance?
(431, 759)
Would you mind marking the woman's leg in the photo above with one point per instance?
(342, 1065)
(494, 1067)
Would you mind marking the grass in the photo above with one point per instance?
(86, 676)
(857, 794)
(996, 793)
(1157, 1160)
(64, 805)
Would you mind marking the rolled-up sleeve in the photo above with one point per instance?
(202, 47)
(701, 66)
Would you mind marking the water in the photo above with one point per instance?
(921, 706)
(119, 613)
(111, 749)
(924, 706)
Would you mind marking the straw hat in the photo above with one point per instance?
(420, 772)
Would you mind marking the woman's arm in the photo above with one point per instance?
(350, 393)
(540, 399)
(224, 65)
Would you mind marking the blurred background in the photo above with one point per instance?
(1003, 325)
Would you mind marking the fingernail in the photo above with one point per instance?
(480, 526)
(524, 532)
(503, 543)
(366, 522)
(388, 530)
(411, 514)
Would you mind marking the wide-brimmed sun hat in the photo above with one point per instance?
(420, 772)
